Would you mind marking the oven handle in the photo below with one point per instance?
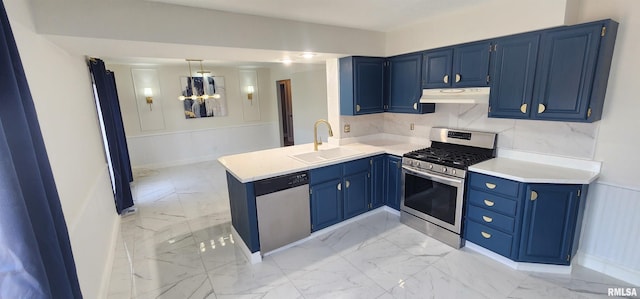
(432, 176)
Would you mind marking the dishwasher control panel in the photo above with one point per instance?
(282, 182)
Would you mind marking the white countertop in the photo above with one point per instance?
(253, 166)
(531, 172)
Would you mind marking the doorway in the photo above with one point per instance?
(286, 111)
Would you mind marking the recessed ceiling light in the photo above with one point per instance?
(286, 60)
(308, 55)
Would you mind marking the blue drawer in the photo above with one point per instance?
(357, 166)
(491, 219)
(324, 174)
(492, 202)
(493, 184)
(489, 238)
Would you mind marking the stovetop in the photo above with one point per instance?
(452, 151)
(460, 159)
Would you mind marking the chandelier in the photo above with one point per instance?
(191, 81)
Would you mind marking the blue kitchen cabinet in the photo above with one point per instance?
(436, 69)
(537, 223)
(549, 223)
(325, 187)
(393, 181)
(326, 204)
(244, 216)
(404, 87)
(512, 76)
(461, 66)
(361, 85)
(356, 194)
(493, 213)
(356, 184)
(572, 72)
(378, 184)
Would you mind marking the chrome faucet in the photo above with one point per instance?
(315, 133)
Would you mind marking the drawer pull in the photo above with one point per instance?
(488, 203)
(487, 219)
(485, 235)
(490, 186)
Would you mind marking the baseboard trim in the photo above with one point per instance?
(531, 267)
(252, 257)
(606, 267)
(108, 269)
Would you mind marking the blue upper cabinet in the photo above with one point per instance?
(461, 66)
(557, 74)
(361, 85)
(513, 75)
(436, 71)
(549, 223)
(471, 65)
(404, 85)
(573, 70)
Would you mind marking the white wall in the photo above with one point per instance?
(183, 140)
(487, 19)
(165, 23)
(308, 98)
(62, 94)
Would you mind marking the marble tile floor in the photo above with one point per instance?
(179, 245)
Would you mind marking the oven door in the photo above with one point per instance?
(433, 197)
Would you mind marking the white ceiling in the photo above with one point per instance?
(377, 15)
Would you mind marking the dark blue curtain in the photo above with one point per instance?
(35, 254)
(107, 95)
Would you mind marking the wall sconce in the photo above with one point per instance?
(250, 91)
(148, 93)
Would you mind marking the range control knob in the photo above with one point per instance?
(453, 171)
(444, 169)
(430, 166)
(417, 164)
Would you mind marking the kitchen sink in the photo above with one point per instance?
(325, 155)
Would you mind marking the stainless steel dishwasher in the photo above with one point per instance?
(283, 210)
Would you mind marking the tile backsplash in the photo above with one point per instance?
(568, 139)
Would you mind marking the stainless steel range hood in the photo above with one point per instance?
(472, 95)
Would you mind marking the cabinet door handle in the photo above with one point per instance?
(485, 235)
(541, 108)
(339, 186)
(487, 219)
(348, 184)
(415, 106)
(445, 79)
(534, 195)
(490, 186)
(488, 203)
(458, 78)
(357, 108)
(523, 108)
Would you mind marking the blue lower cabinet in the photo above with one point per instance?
(326, 204)
(393, 181)
(244, 216)
(356, 194)
(378, 165)
(549, 222)
(489, 238)
(539, 225)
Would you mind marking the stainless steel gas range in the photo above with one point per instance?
(433, 181)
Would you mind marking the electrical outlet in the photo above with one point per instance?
(411, 127)
(347, 128)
